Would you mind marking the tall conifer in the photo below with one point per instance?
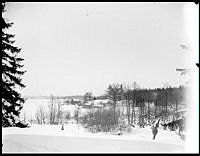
(12, 101)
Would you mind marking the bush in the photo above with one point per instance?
(101, 120)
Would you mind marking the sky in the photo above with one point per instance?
(72, 48)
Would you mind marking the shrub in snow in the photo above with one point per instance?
(127, 129)
(101, 120)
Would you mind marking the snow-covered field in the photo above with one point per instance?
(74, 139)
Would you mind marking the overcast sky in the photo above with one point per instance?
(71, 48)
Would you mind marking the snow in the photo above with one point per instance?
(101, 101)
(75, 139)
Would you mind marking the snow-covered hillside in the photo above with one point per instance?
(74, 139)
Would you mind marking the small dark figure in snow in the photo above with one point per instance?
(62, 127)
(119, 132)
(155, 128)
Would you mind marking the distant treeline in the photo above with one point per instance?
(59, 97)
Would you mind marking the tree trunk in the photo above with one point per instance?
(127, 110)
(114, 112)
(148, 112)
(134, 104)
(155, 112)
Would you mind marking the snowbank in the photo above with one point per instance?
(74, 139)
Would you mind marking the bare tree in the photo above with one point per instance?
(115, 92)
(76, 114)
(59, 112)
(55, 110)
(127, 100)
(130, 97)
(40, 115)
(133, 98)
(52, 110)
(88, 96)
(67, 116)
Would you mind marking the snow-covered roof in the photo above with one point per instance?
(101, 101)
(88, 103)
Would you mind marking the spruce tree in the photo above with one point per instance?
(12, 101)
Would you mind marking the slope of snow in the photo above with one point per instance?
(74, 139)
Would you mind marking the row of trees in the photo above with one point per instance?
(150, 103)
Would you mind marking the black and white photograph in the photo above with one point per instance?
(100, 77)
